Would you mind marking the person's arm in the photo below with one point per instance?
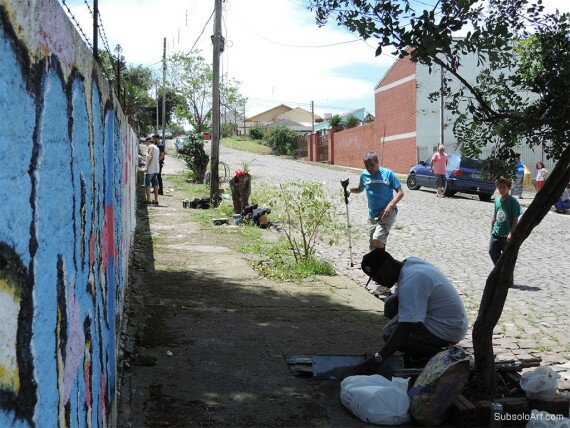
(354, 190)
(492, 224)
(397, 198)
(370, 365)
(431, 165)
(149, 157)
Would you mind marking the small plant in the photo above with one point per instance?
(335, 121)
(257, 132)
(194, 155)
(307, 215)
(351, 122)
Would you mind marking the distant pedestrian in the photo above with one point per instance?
(505, 219)
(161, 148)
(517, 186)
(541, 174)
(380, 184)
(151, 172)
(437, 166)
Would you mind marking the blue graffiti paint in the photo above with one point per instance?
(53, 218)
(17, 110)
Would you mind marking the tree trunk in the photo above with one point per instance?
(501, 277)
(241, 189)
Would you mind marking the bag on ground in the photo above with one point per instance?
(437, 386)
(540, 384)
(375, 399)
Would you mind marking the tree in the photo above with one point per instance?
(514, 35)
(191, 78)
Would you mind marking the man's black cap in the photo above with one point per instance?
(372, 262)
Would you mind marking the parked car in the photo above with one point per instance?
(463, 175)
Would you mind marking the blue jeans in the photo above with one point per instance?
(496, 246)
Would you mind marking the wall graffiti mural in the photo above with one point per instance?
(66, 223)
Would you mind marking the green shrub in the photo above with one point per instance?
(283, 140)
(257, 132)
(194, 155)
(351, 122)
(307, 215)
(228, 129)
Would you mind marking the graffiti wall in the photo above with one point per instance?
(66, 222)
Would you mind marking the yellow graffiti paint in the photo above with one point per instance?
(9, 379)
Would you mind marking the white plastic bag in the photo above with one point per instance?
(540, 384)
(375, 399)
(542, 419)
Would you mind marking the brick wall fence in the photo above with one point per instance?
(66, 222)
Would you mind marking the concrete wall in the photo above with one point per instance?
(67, 186)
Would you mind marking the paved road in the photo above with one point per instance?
(452, 233)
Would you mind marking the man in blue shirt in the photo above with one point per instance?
(380, 185)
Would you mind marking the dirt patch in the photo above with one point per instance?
(205, 338)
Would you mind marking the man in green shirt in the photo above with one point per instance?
(505, 219)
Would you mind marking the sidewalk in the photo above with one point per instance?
(206, 338)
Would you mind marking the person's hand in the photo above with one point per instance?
(368, 367)
(387, 211)
(509, 237)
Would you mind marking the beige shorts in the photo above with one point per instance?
(380, 227)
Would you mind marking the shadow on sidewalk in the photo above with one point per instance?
(205, 346)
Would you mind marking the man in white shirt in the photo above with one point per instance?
(430, 314)
(151, 173)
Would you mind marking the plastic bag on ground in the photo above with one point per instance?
(542, 419)
(375, 399)
(540, 384)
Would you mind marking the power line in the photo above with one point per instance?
(203, 29)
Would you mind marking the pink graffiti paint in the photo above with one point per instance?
(108, 235)
(75, 347)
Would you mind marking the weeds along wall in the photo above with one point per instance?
(67, 191)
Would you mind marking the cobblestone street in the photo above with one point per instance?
(452, 233)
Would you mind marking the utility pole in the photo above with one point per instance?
(244, 118)
(163, 90)
(441, 111)
(215, 149)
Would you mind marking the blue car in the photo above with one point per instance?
(463, 175)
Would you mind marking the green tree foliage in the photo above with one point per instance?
(191, 78)
(307, 215)
(257, 132)
(335, 121)
(282, 140)
(194, 155)
(351, 121)
(529, 103)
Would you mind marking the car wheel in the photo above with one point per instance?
(447, 191)
(485, 197)
(412, 182)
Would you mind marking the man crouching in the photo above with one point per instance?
(427, 312)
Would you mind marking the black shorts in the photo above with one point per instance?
(440, 180)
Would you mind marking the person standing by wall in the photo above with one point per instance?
(541, 174)
(161, 148)
(380, 185)
(437, 166)
(151, 172)
(517, 186)
(505, 218)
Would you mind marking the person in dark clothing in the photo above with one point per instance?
(161, 147)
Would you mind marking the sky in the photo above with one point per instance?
(273, 47)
